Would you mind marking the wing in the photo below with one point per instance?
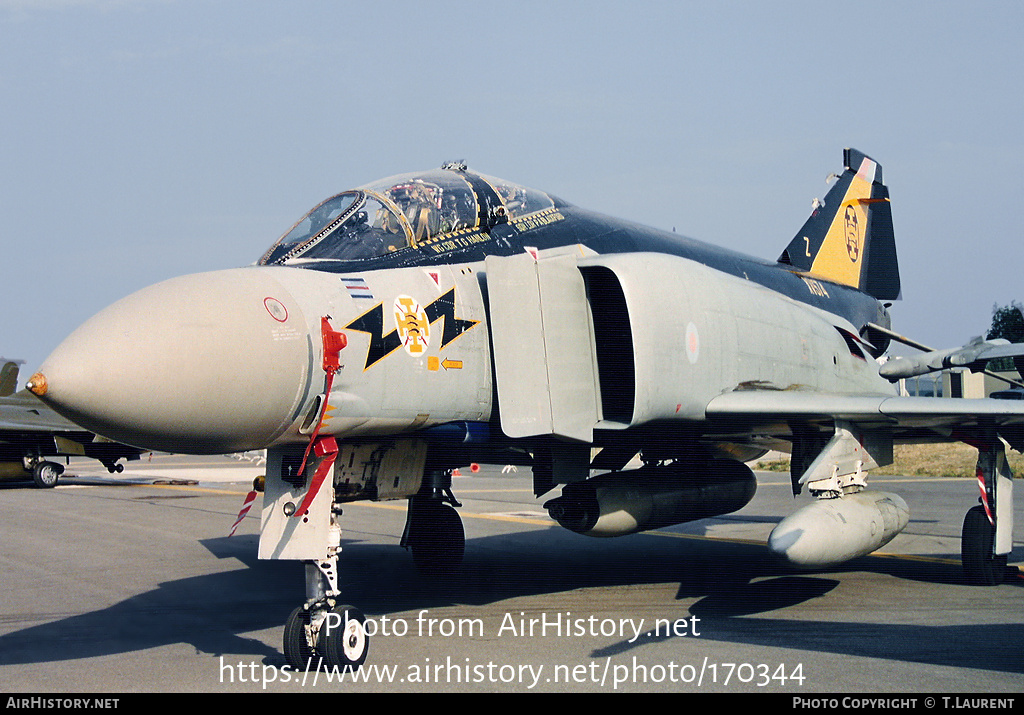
(902, 414)
(835, 438)
(780, 414)
(23, 412)
(30, 429)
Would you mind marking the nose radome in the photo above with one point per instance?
(204, 363)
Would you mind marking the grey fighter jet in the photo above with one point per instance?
(429, 320)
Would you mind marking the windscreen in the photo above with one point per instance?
(400, 212)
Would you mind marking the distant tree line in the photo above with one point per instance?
(1007, 323)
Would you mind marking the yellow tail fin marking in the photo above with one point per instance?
(841, 254)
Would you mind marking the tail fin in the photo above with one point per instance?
(849, 238)
(8, 376)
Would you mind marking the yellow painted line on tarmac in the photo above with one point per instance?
(227, 464)
(192, 488)
(912, 557)
(668, 534)
(551, 522)
(468, 514)
(174, 487)
(884, 480)
(548, 522)
(898, 480)
(514, 519)
(702, 537)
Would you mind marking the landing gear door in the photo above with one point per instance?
(543, 340)
(282, 535)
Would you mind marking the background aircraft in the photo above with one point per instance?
(30, 432)
(430, 320)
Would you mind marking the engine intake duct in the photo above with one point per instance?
(619, 503)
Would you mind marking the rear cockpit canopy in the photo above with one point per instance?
(403, 212)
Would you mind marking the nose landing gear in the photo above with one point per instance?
(323, 632)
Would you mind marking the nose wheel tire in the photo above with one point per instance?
(46, 474)
(981, 566)
(346, 644)
(297, 650)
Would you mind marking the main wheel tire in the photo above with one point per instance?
(345, 645)
(46, 474)
(436, 537)
(981, 567)
(297, 651)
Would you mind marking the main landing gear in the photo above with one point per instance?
(981, 566)
(987, 536)
(433, 529)
(46, 474)
(112, 466)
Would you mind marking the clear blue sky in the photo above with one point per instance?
(146, 139)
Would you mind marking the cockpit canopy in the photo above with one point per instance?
(403, 212)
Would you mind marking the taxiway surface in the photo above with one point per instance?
(130, 583)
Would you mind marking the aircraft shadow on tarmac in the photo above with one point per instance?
(731, 582)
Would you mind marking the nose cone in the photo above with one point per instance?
(205, 363)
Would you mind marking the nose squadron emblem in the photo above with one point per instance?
(412, 324)
(418, 326)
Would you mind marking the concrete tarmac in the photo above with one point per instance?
(130, 584)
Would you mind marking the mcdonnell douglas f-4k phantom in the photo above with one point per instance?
(424, 321)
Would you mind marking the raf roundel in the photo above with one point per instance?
(692, 343)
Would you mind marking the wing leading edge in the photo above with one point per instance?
(906, 417)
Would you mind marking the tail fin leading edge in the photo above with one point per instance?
(849, 239)
(8, 376)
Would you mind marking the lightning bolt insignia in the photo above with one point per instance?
(381, 345)
(444, 307)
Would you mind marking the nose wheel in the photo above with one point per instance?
(324, 635)
(322, 632)
(297, 637)
(344, 643)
